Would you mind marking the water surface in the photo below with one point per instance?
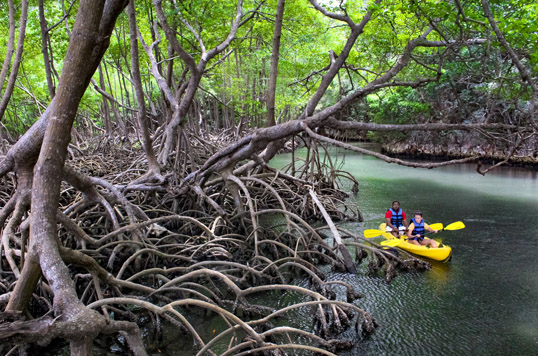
(485, 300)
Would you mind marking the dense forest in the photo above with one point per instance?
(136, 142)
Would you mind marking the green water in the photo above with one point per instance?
(485, 300)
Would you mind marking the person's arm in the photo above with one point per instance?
(388, 215)
(410, 229)
(404, 217)
(427, 227)
(389, 224)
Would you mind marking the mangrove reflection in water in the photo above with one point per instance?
(485, 300)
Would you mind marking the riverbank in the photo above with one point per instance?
(436, 153)
(456, 145)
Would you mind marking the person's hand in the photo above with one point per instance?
(435, 231)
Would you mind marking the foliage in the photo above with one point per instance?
(239, 79)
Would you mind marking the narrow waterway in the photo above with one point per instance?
(485, 300)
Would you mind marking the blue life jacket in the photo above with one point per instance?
(397, 217)
(419, 229)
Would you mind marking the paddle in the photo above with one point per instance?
(458, 225)
(369, 233)
(454, 226)
(391, 243)
(372, 233)
(437, 226)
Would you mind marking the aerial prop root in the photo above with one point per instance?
(256, 340)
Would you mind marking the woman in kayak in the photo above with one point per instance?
(417, 229)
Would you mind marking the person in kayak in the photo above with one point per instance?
(417, 229)
(396, 219)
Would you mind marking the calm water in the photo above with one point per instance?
(485, 300)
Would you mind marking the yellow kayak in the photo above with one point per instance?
(442, 253)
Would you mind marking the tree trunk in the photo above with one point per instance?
(10, 44)
(271, 90)
(89, 40)
(16, 61)
(45, 48)
(153, 166)
(106, 109)
(196, 70)
(114, 104)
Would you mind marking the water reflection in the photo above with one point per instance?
(439, 275)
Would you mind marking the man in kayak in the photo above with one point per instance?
(417, 229)
(396, 219)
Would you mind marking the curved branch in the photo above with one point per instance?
(384, 157)
(171, 36)
(521, 68)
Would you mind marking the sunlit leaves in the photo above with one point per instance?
(240, 80)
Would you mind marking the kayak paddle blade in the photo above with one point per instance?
(437, 226)
(455, 226)
(391, 243)
(372, 233)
